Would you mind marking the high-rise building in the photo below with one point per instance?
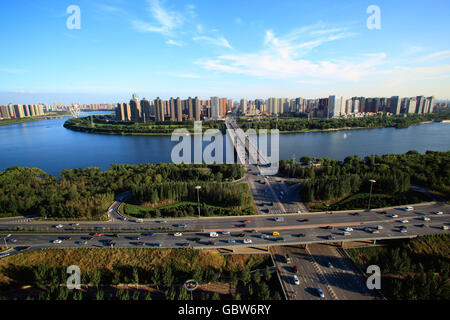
(243, 106)
(334, 106)
(197, 109)
(159, 107)
(215, 112)
(420, 104)
(178, 110)
(394, 105)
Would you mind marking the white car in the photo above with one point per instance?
(425, 218)
(59, 226)
(75, 224)
(57, 241)
(213, 235)
(279, 219)
(264, 236)
(393, 215)
(225, 232)
(177, 234)
(403, 230)
(408, 208)
(444, 227)
(296, 281)
(380, 227)
(438, 213)
(404, 221)
(246, 241)
(375, 231)
(348, 229)
(346, 233)
(231, 241)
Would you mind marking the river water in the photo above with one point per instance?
(47, 145)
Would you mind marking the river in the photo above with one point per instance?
(47, 145)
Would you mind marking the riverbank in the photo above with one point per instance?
(5, 122)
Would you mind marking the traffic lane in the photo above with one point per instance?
(345, 281)
(230, 221)
(309, 278)
(297, 234)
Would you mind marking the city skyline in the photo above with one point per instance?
(261, 49)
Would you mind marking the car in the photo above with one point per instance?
(404, 221)
(254, 231)
(279, 219)
(330, 265)
(247, 241)
(115, 235)
(247, 221)
(294, 269)
(296, 281)
(240, 235)
(149, 234)
(12, 240)
(298, 211)
(225, 232)
(140, 243)
(136, 238)
(438, 213)
(444, 227)
(408, 208)
(89, 238)
(382, 212)
(275, 233)
(59, 226)
(393, 215)
(213, 235)
(348, 229)
(346, 233)
(329, 227)
(211, 243)
(139, 220)
(303, 220)
(75, 224)
(367, 229)
(97, 234)
(177, 234)
(376, 231)
(287, 259)
(331, 237)
(57, 241)
(403, 230)
(425, 218)
(299, 235)
(320, 292)
(157, 244)
(264, 236)
(84, 242)
(162, 221)
(231, 241)
(380, 227)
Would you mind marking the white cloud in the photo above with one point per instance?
(175, 42)
(220, 41)
(167, 21)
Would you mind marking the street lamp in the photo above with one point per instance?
(370, 194)
(198, 199)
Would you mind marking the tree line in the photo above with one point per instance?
(86, 193)
(290, 122)
(326, 179)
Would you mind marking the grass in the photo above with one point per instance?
(145, 259)
(361, 201)
(5, 122)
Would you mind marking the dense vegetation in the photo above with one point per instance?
(104, 124)
(416, 269)
(86, 193)
(152, 274)
(393, 173)
(299, 124)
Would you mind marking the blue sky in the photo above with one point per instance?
(246, 48)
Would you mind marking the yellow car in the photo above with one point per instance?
(275, 233)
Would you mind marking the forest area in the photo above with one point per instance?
(138, 274)
(104, 124)
(87, 193)
(393, 173)
(415, 269)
